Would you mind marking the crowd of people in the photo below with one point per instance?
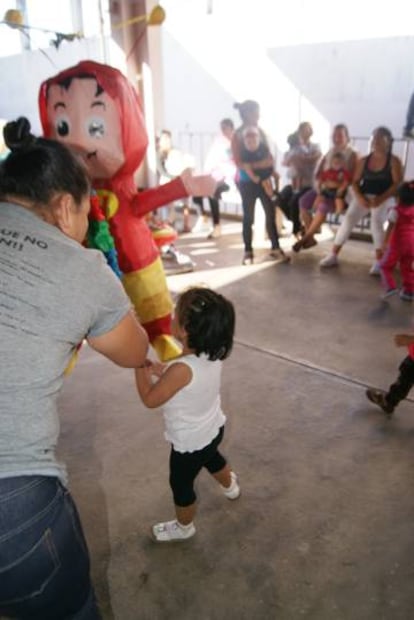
(340, 183)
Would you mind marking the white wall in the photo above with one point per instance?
(362, 83)
(21, 75)
(240, 51)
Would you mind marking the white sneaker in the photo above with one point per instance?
(172, 531)
(375, 269)
(202, 225)
(233, 491)
(329, 261)
(389, 293)
(215, 233)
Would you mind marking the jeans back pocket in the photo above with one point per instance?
(27, 576)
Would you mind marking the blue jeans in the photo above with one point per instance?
(44, 560)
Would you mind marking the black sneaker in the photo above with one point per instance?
(378, 397)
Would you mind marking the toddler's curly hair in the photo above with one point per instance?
(209, 320)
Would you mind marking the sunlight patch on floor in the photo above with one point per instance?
(215, 278)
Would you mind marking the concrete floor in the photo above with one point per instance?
(324, 527)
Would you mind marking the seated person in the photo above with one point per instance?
(301, 161)
(331, 186)
(253, 150)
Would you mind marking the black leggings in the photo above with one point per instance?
(214, 208)
(213, 202)
(250, 192)
(405, 381)
(288, 202)
(185, 467)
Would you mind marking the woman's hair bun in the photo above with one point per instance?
(17, 134)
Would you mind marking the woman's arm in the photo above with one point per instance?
(320, 167)
(352, 163)
(177, 376)
(126, 344)
(359, 169)
(235, 149)
(388, 233)
(267, 162)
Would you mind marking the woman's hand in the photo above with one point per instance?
(363, 201)
(375, 201)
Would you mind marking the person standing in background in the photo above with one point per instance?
(251, 190)
(220, 164)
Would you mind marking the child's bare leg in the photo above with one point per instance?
(227, 479)
(268, 187)
(306, 218)
(317, 222)
(339, 205)
(185, 514)
(223, 476)
(308, 240)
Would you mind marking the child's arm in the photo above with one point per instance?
(175, 377)
(403, 340)
(388, 233)
(276, 177)
(342, 187)
(392, 218)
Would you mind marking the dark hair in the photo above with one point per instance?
(385, 133)
(246, 107)
(209, 320)
(302, 126)
(293, 139)
(226, 122)
(406, 193)
(37, 168)
(342, 127)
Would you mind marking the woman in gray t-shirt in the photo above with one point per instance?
(53, 294)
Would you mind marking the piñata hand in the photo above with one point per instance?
(201, 185)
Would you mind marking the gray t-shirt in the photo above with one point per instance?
(53, 293)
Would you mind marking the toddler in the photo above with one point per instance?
(253, 150)
(399, 245)
(405, 380)
(333, 182)
(188, 389)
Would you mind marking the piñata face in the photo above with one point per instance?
(83, 116)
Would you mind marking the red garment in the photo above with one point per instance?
(335, 176)
(94, 108)
(400, 250)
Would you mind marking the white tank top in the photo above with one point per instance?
(193, 416)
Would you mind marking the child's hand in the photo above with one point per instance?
(403, 340)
